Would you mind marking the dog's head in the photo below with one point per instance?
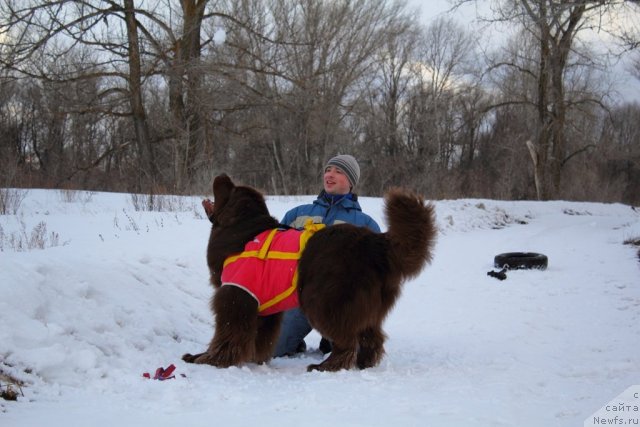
(233, 204)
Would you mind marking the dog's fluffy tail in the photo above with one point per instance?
(412, 231)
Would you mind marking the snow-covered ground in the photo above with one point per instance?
(125, 292)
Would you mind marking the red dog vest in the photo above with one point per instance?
(268, 268)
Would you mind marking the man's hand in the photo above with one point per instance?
(208, 209)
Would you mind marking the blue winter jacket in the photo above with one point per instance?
(331, 210)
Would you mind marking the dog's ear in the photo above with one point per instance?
(222, 186)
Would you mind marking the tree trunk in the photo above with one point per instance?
(147, 161)
(185, 89)
(556, 32)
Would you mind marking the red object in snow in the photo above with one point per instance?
(162, 374)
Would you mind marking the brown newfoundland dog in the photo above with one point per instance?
(347, 278)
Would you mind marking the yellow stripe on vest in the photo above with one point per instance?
(267, 244)
(281, 296)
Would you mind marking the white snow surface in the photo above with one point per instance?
(126, 292)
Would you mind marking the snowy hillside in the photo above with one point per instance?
(117, 292)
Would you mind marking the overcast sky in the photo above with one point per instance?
(627, 84)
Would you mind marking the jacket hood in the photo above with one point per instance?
(349, 201)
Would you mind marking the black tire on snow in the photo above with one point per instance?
(521, 260)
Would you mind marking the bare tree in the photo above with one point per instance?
(132, 45)
(54, 30)
(555, 27)
(618, 157)
(300, 75)
(446, 53)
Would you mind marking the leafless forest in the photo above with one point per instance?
(157, 96)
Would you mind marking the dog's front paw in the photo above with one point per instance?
(219, 360)
(191, 358)
(201, 359)
(324, 367)
(316, 367)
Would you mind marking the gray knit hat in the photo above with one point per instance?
(348, 165)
